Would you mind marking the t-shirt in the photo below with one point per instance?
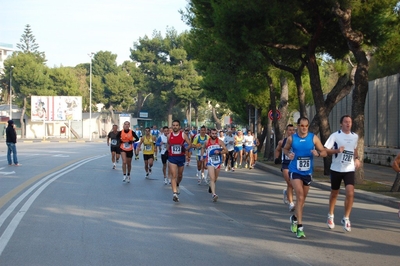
(344, 161)
(114, 139)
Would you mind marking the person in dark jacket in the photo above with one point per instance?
(11, 141)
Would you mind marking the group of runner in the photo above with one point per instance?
(296, 152)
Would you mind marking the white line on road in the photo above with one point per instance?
(223, 215)
(9, 231)
(186, 190)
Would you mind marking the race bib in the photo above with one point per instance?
(215, 159)
(303, 163)
(148, 147)
(347, 157)
(114, 142)
(176, 149)
(127, 145)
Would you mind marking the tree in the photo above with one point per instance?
(28, 44)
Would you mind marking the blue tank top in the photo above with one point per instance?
(285, 159)
(303, 161)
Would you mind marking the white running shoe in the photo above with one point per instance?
(147, 175)
(285, 200)
(128, 179)
(165, 181)
(226, 169)
(198, 181)
(291, 207)
(330, 222)
(169, 181)
(175, 197)
(346, 224)
(124, 179)
(150, 170)
(215, 198)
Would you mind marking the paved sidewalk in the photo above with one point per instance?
(372, 172)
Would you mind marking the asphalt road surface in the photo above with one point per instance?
(65, 205)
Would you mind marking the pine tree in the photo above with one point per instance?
(28, 44)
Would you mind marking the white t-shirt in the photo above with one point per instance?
(342, 162)
(248, 140)
(229, 142)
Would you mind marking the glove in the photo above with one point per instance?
(278, 161)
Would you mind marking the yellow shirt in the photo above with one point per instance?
(148, 145)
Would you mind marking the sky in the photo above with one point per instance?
(68, 30)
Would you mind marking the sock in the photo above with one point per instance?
(205, 174)
(300, 226)
(199, 174)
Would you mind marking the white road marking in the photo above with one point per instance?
(223, 215)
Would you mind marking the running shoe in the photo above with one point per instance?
(117, 161)
(187, 164)
(285, 200)
(209, 189)
(291, 207)
(346, 224)
(124, 179)
(330, 222)
(178, 191)
(293, 226)
(149, 170)
(300, 233)
(175, 197)
(155, 158)
(236, 165)
(137, 157)
(128, 179)
(198, 181)
(147, 175)
(113, 166)
(169, 181)
(165, 181)
(233, 169)
(226, 169)
(245, 166)
(215, 198)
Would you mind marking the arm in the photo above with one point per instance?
(224, 149)
(187, 141)
(396, 163)
(286, 149)
(319, 151)
(278, 149)
(108, 139)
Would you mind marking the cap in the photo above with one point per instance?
(10, 122)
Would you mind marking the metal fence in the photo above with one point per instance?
(382, 112)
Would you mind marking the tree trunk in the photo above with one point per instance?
(275, 124)
(21, 119)
(354, 40)
(300, 91)
(216, 119)
(283, 107)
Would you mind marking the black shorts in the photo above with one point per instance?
(285, 166)
(147, 157)
(164, 157)
(305, 178)
(129, 154)
(115, 149)
(337, 177)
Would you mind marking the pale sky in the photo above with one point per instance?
(68, 30)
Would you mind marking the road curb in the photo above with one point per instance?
(358, 194)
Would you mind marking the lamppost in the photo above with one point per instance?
(90, 97)
(12, 67)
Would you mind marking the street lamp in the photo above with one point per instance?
(90, 97)
(11, 92)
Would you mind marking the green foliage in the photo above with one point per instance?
(64, 81)
(28, 44)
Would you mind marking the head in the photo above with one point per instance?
(346, 123)
(229, 133)
(213, 134)
(302, 125)
(147, 131)
(165, 130)
(249, 133)
(187, 131)
(239, 133)
(176, 126)
(289, 130)
(10, 123)
(115, 128)
(221, 133)
(154, 127)
(127, 125)
(203, 130)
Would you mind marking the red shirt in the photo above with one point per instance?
(176, 144)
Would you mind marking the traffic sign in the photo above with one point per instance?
(271, 115)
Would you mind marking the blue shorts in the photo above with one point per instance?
(199, 157)
(285, 166)
(238, 148)
(135, 145)
(178, 160)
(248, 148)
(305, 178)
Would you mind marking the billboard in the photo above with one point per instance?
(56, 108)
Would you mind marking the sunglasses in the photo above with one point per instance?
(303, 125)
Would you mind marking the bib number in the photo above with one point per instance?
(303, 163)
(147, 147)
(127, 145)
(347, 157)
(176, 149)
(113, 142)
(215, 159)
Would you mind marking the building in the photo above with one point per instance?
(5, 50)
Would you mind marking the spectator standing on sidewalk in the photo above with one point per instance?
(342, 145)
(11, 141)
(301, 149)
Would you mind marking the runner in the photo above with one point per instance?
(300, 148)
(280, 157)
(248, 149)
(127, 138)
(214, 148)
(155, 133)
(138, 133)
(115, 151)
(162, 148)
(229, 161)
(198, 143)
(221, 137)
(342, 145)
(238, 148)
(188, 152)
(148, 150)
(256, 144)
(176, 157)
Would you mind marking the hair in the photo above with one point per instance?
(176, 121)
(115, 125)
(290, 125)
(302, 118)
(203, 127)
(165, 127)
(147, 128)
(343, 117)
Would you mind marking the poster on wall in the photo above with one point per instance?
(56, 108)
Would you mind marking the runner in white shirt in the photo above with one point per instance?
(248, 149)
(161, 144)
(342, 145)
(229, 141)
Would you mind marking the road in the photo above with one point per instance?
(65, 206)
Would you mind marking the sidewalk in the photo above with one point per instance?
(372, 172)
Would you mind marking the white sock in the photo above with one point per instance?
(205, 174)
